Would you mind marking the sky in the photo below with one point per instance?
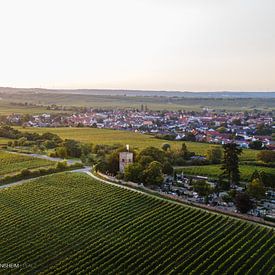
(184, 45)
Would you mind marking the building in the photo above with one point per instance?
(125, 158)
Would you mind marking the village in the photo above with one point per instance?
(206, 126)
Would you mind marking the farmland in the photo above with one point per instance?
(123, 101)
(7, 108)
(214, 170)
(11, 163)
(71, 223)
(136, 140)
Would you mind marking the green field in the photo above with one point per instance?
(12, 163)
(196, 103)
(135, 140)
(4, 141)
(72, 224)
(7, 108)
(214, 170)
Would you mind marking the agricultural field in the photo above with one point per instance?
(4, 141)
(12, 163)
(136, 140)
(122, 101)
(7, 108)
(71, 224)
(214, 170)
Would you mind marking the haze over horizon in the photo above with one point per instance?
(176, 45)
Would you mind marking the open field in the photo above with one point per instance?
(4, 141)
(194, 103)
(136, 140)
(214, 170)
(6, 108)
(12, 163)
(71, 223)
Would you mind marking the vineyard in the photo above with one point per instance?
(11, 163)
(70, 223)
(215, 170)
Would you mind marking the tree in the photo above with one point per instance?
(243, 202)
(73, 148)
(61, 152)
(256, 189)
(202, 188)
(214, 154)
(113, 163)
(190, 137)
(230, 166)
(61, 165)
(221, 129)
(153, 152)
(262, 130)
(86, 149)
(165, 147)
(167, 168)
(266, 156)
(101, 166)
(153, 173)
(184, 152)
(144, 161)
(133, 172)
(257, 145)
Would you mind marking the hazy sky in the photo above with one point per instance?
(195, 45)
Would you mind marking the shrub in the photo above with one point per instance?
(25, 172)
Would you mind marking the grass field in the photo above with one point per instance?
(153, 102)
(11, 163)
(4, 141)
(214, 170)
(72, 224)
(135, 140)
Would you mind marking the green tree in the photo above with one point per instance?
(256, 189)
(144, 161)
(153, 152)
(243, 202)
(61, 165)
(266, 156)
(214, 154)
(133, 172)
(184, 150)
(221, 129)
(86, 149)
(165, 147)
(113, 163)
(230, 166)
(202, 188)
(61, 152)
(167, 168)
(73, 148)
(256, 145)
(153, 173)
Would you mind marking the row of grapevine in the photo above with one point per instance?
(71, 224)
(11, 163)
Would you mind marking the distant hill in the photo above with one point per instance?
(220, 94)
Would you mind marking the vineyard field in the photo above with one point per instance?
(214, 170)
(12, 163)
(72, 224)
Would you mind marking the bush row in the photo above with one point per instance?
(27, 173)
